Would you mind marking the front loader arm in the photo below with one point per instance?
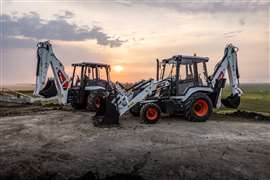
(122, 101)
(126, 100)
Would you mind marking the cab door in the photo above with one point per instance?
(186, 78)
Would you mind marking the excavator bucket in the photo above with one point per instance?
(106, 114)
(232, 101)
(49, 90)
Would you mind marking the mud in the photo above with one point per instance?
(249, 115)
(92, 176)
(62, 144)
(13, 109)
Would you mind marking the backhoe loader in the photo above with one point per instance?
(182, 85)
(88, 84)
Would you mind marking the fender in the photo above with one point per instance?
(92, 88)
(191, 91)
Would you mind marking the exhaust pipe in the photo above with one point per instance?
(106, 114)
(232, 101)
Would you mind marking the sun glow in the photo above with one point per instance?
(118, 68)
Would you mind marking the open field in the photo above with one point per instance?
(256, 97)
(55, 143)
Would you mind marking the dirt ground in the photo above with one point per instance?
(50, 143)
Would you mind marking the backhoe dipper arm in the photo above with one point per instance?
(228, 64)
(42, 67)
(45, 58)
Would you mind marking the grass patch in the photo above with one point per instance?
(256, 98)
(27, 92)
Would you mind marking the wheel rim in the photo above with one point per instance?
(97, 102)
(152, 113)
(200, 108)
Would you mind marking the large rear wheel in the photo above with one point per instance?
(198, 108)
(150, 113)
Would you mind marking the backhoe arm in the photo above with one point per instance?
(43, 62)
(228, 64)
(46, 57)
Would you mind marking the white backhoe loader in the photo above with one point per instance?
(182, 86)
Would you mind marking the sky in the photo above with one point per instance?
(133, 34)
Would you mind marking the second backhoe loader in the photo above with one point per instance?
(88, 84)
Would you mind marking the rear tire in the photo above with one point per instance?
(198, 108)
(94, 101)
(150, 113)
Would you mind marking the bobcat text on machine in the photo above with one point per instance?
(182, 86)
(89, 81)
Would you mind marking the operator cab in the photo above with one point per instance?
(89, 75)
(89, 83)
(184, 72)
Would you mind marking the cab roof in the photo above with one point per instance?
(183, 59)
(89, 64)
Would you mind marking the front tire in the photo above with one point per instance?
(150, 113)
(198, 107)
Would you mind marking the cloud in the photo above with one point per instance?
(231, 34)
(31, 26)
(65, 15)
(11, 42)
(202, 6)
(242, 21)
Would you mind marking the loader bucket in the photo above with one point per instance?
(106, 114)
(232, 101)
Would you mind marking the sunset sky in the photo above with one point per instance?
(132, 34)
